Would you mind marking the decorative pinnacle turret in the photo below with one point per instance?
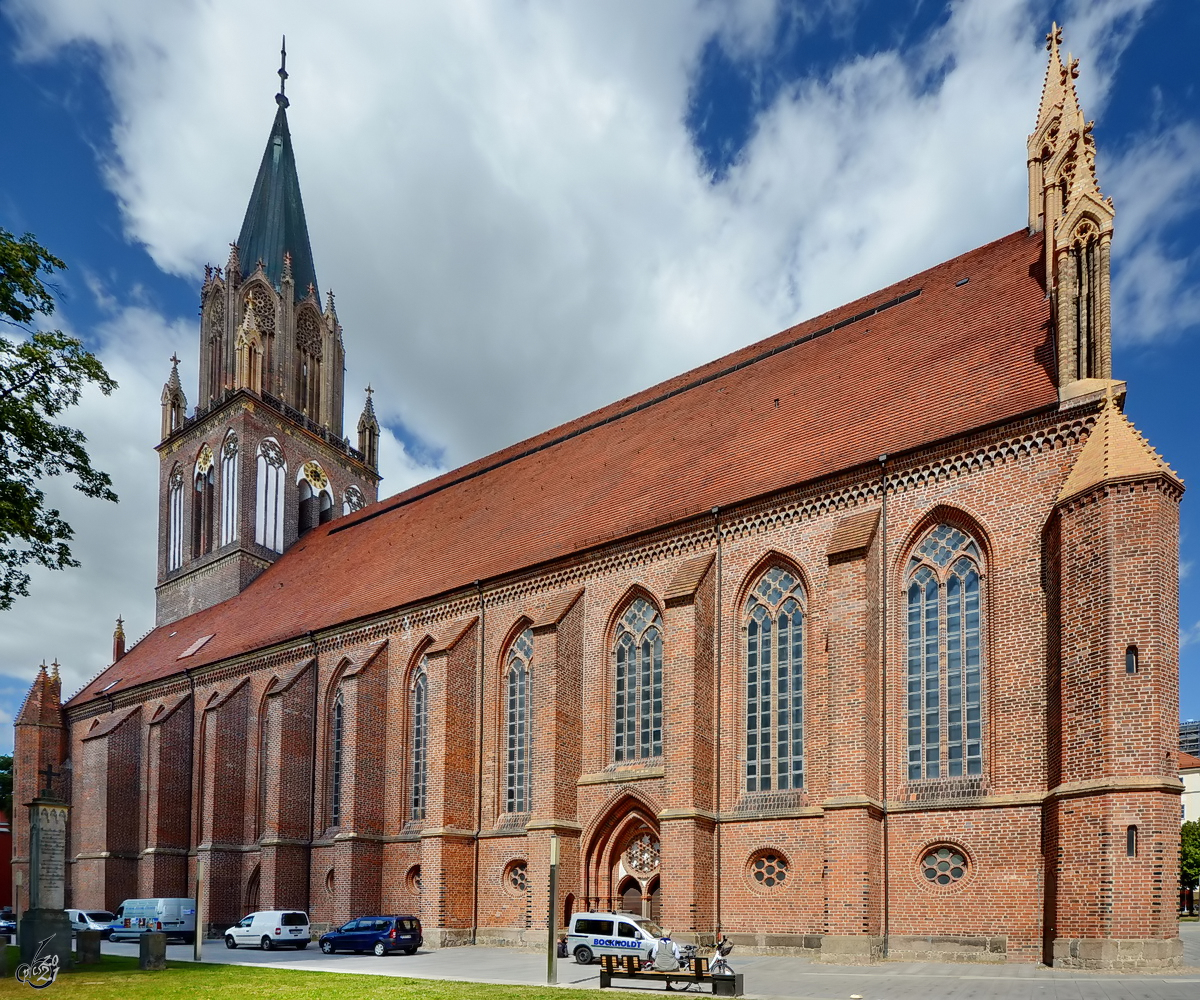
(281, 98)
(369, 408)
(287, 265)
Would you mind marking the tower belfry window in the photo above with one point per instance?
(205, 481)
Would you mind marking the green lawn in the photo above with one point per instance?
(118, 978)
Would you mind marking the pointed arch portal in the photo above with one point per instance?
(622, 860)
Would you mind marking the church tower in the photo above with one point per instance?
(261, 459)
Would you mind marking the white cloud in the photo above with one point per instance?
(507, 201)
(1189, 636)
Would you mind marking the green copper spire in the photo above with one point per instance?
(274, 222)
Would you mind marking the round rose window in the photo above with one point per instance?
(516, 878)
(769, 869)
(944, 865)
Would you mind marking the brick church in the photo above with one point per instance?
(859, 641)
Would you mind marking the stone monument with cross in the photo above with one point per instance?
(45, 926)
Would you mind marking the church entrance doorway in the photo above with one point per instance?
(622, 861)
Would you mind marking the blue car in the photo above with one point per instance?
(381, 935)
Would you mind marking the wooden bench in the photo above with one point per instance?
(693, 971)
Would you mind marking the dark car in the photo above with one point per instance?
(8, 921)
(381, 935)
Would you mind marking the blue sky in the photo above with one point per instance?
(528, 210)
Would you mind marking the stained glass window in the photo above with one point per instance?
(639, 656)
(336, 724)
(775, 683)
(945, 657)
(519, 735)
(420, 738)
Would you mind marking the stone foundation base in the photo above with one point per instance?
(1117, 953)
(849, 949)
(807, 945)
(525, 938)
(945, 948)
(446, 937)
(37, 926)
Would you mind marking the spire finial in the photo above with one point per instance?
(1054, 36)
(369, 389)
(174, 359)
(281, 98)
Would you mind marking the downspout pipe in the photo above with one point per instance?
(478, 771)
(312, 791)
(883, 681)
(716, 513)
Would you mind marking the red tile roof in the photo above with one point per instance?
(1187, 762)
(827, 395)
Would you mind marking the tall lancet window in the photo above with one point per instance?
(268, 505)
(639, 659)
(520, 659)
(229, 490)
(945, 656)
(308, 364)
(264, 738)
(216, 346)
(205, 481)
(175, 520)
(420, 740)
(775, 682)
(336, 735)
(1084, 260)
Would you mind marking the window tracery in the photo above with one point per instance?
(175, 520)
(205, 482)
(229, 490)
(268, 507)
(945, 656)
(639, 661)
(353, 500)
(775, 682)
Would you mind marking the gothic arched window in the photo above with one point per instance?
(229, 490)
(520, 661)
(268, 505)
(945, 656)
(336, 734)
(175, 520)
(639, 657)
(308, 364)
(205, 482)
(420, 739)
(775, 682)
(315, 499)
(264, 735)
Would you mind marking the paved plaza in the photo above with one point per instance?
(766, 977)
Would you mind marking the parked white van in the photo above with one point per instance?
(91, 920)
(175, 916)
(270, 929)
(592, 934)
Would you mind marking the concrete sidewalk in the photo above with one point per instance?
(766, 977)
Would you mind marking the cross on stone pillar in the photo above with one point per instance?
(49, 774)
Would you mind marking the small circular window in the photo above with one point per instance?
(413, 880)
(769, 869)
(944, 865)
(516, 878)
(330, 881)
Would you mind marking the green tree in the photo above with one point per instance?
(6, 763)
(42, 372)
(1189, 854)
